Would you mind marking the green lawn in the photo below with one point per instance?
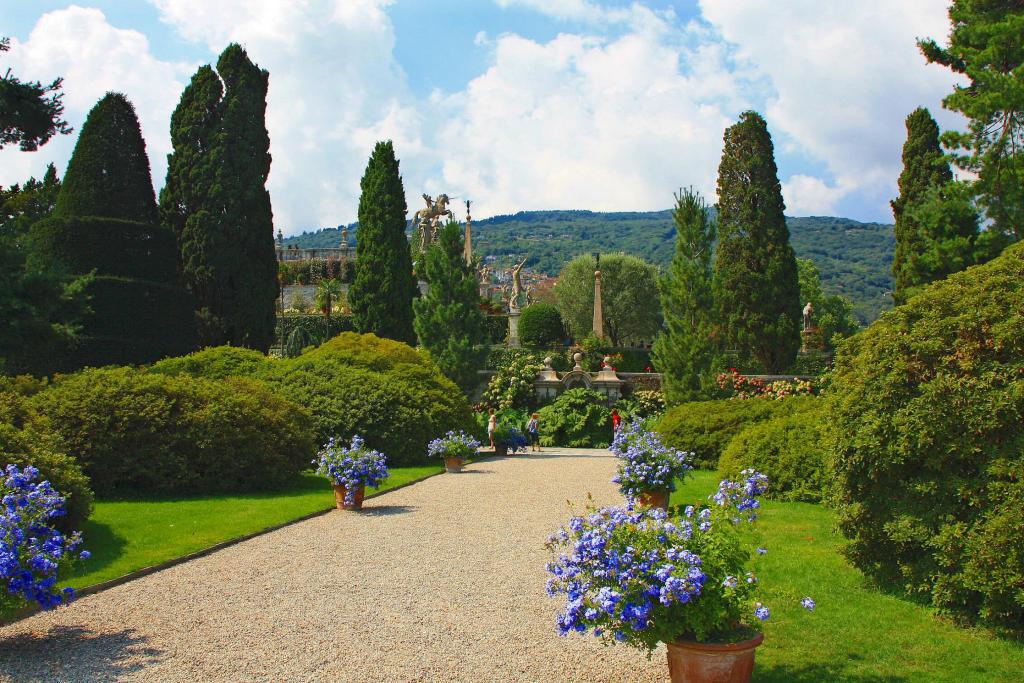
(127, 535)
(857, 633)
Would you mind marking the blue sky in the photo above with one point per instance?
(515, 104)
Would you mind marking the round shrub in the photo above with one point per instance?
(705, 428)
(137, 432)
(26, 438)
(789, 449)
(926, 409)
(217, 362)
(578, 418)
(540, 326)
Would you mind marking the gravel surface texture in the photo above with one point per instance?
(439, 581)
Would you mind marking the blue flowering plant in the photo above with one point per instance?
(641, 577)
(352, 466)
(453, 445)
(646, 463)
(31, 549)
(512, 437)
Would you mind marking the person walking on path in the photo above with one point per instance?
(533, 432)
(492, 424)
(616, 420)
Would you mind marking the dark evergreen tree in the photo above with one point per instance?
(985, 46)
(924, 167)
(104, 222)
(215, 200)
(30, 113)
(755, 282)
(449, 322)
(23, 205)
(684, 350)
(383, 289)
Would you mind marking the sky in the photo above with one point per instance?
(517, 105)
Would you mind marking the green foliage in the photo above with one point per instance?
(926, 408)
(133, 431)
(540, 326)
(789, 449)
(512, 385)
(833, 313)
(705, 428)
(577, 418)
(23, 205)
(630, 312)
(26, 438)
(684, 351)
(305, 272)
(985, 47)
(104, 222)
(316, 327)
(449, 322)
(30, 113)
(383, 289)
(214, 363)
(496, 327)
(755, 282)
(298, 339)
(216, 201)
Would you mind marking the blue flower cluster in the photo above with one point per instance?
(514, 440)
(622, 565)
(742, 495)
(453, 445)
(352, 467)
(31, 550)
(645, 463)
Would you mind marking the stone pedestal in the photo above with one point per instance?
(812, 340)
(513, 328)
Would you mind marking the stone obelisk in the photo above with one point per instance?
(469, 236)
(598, 316)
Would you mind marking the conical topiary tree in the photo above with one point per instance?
(383, 289)
(104, 222)
(755, 283)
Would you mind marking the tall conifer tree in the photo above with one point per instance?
(448, 320)
(215, 199)
(383, 289)
(684, 350)
(755, 282)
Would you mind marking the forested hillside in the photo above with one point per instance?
(854, 258)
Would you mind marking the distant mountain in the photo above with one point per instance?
(854, 258)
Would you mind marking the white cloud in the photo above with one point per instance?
(806, 195)
(844, 76)
(94, 57)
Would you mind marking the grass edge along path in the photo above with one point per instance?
(857, 633)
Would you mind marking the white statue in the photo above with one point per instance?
(808, 316)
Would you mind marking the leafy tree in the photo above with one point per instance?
(30, 113)
(215, 199)
(104, 222)
(985, 46)
(383, 289)
(631, 312)
(755, 281)
(833, 313)
(21, 206)
(540, 326)
(448, 319)
(684, 350)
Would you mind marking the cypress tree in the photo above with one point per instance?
(448, 322)
(383, 289)
(684, 350)
(924, 168)
(755, 281)
(215, 200)
(104, 222)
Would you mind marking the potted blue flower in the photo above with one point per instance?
(455, 448)
(640, 577)
(351, 469)
(31, 549)
(648, 469)
(508, 440)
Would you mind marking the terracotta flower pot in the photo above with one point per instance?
(654, 499)
(692, 662)
(339, 498)
(453, 464)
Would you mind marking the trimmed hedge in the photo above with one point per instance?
(578, 418)
(790, 449)
(217, 362)
(540, 326)
(927, 407)
(138, 432)
(705, 428)
(26, 438)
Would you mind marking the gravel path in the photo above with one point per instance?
(439, 581)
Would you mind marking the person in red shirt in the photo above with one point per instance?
(616, 420)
